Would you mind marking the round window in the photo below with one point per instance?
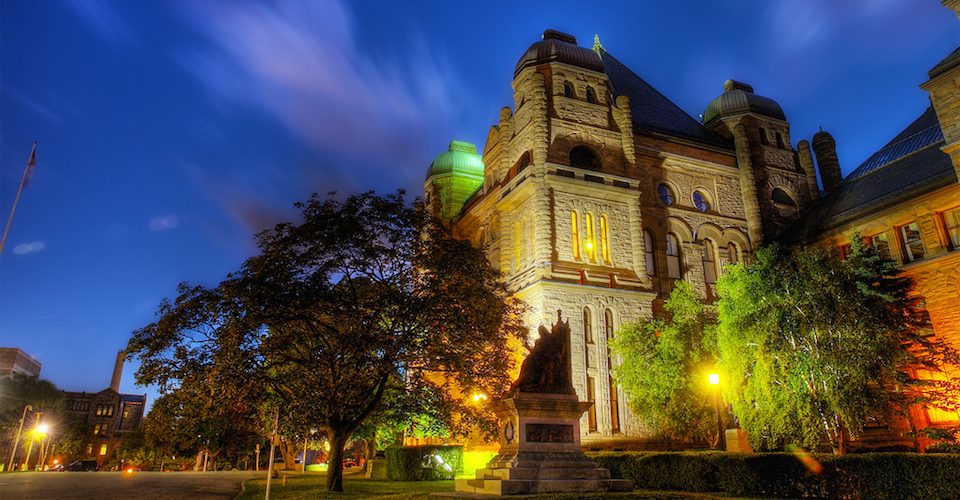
(700, 201)
(665, 194)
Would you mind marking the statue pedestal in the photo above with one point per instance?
(540, 450)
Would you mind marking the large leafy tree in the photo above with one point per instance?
(664, 368)
(364, 296)
(18, 391)
(814, 345)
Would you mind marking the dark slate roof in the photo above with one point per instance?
(948, 62)
(651, 110)
(905, 168)
(135, 398)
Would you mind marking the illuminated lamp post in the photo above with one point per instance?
(36, 427)
(16, 441)
(43, 429)
(714, 379)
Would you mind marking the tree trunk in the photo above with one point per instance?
(199, 461)
(338, 440)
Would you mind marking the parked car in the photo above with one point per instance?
(350, 462)
(83, 466)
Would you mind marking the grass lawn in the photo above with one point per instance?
(312, 486)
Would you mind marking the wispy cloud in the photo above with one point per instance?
(300, 62)
(102, 16)
(163, 223)
(28, 248)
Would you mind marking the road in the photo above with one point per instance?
(123, 485)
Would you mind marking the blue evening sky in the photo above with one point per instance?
(169, 132)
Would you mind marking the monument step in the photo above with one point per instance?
(532, 486)
(544, 473)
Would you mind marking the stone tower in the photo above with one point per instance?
(773, 182)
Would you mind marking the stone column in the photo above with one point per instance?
(637, 243)
(538, 119)
(624, 120)
(544, 225)
(806, 162)
(748, 186)
(506, 138)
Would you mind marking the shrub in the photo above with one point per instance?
(943, 447)
(423, 463)
(872, 475)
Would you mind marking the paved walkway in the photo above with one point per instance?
(122, 485)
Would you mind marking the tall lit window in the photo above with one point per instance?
(587, 326)
(103, 449)
(614, 407)
(590, 246)
(516, 245)
(951, 222)
(592, 412)
(912, 241)
(648, 249)
(604, 239)
(709, 262)
(673, 257)
(733, 253)
(575, 234)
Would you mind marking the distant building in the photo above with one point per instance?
(107, 415)
(14, 360)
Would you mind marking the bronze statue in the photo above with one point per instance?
(547, 368)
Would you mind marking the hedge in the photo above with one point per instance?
(870, 475)
(423, 463)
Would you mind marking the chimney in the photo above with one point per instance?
(827, 162)
(118, 371)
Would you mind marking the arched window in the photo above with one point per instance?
(709, 262)
(584, 157)
(614, 397)
(780, 143)
(591, 95)
(587, 327)
(673, 257)
(575, 234)
(648, 248)
(523, 162)
(700, 201)
(781, 197)
(567, 89)
(733, 253)
(665, 194)
(591, 248)
(604, 239)
(763, 136)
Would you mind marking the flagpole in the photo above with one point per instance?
(23, 180)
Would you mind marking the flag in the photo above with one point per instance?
(31, 162)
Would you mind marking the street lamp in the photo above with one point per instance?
(17, 440)
(36, 428)
(714, 379)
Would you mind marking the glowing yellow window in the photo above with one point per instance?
(575, 234)
(103, 449)
(591, 250)
(516, 244)
(604, 239)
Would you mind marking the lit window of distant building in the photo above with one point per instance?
(103, 449)
(575, 234)
(912, 241)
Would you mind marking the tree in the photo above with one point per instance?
(816, 345)
(664, 367)
(18, 391)
(363, 296)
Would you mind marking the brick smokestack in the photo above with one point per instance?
(827, 162)
(118, 371)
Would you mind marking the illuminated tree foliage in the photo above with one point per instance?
(364, 297)
(665, 362)
(814, 346)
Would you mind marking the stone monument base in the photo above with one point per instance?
(540, 450)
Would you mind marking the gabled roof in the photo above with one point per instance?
(908, 166)
(652, 110)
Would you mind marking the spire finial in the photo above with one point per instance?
(597, 46)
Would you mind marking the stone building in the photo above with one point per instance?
(107, 415)
(905, 201)
(594, 193)
(598, 193)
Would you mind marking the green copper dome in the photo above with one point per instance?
(461, 158)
